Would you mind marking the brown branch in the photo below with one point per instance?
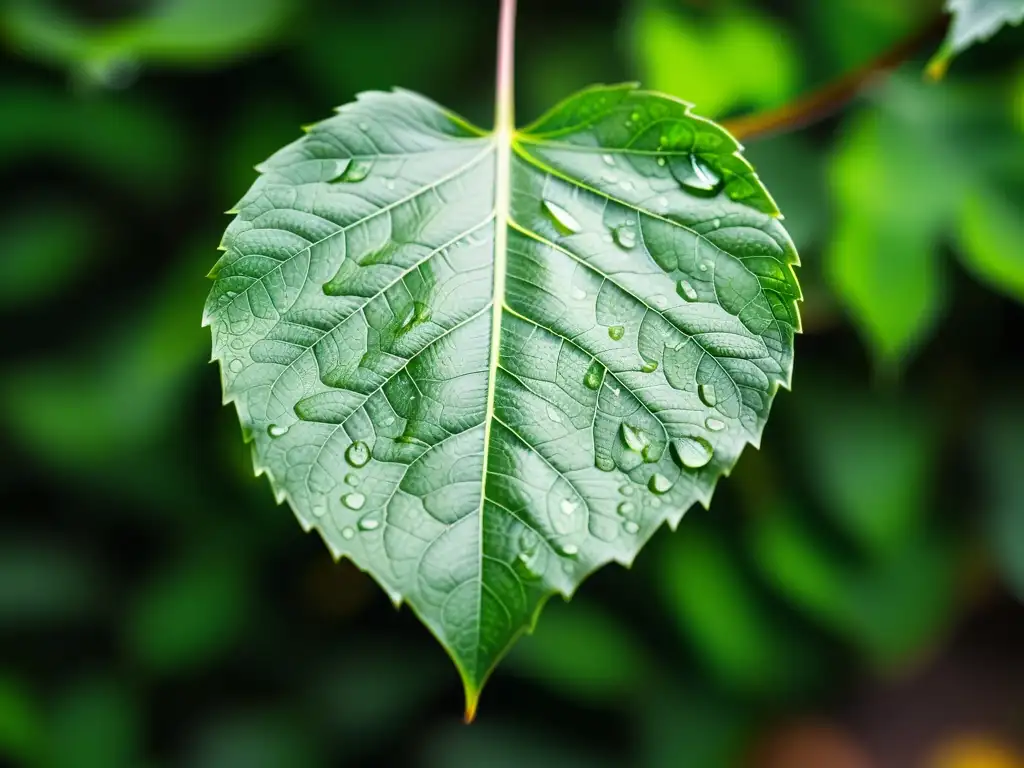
(830, 98)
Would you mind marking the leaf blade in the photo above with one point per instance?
(481, 426)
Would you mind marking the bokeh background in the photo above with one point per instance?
(852, 600)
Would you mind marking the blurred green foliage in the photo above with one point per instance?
(156, 609)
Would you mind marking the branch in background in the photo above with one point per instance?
(830, 98)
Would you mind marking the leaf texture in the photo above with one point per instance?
(481, 395)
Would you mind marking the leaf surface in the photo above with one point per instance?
(483, 384)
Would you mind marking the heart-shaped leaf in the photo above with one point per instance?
(484, 365)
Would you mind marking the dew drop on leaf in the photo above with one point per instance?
(630, 527)
(649, 366)
(714, 425)
(693, 174)
(616, 332)
(418, 314)
(567, 507)
(351, 479)
(625, 236)
(707, 395)
(608, 159)
(554, 415)
(692, 452)
(626, 508)
(570, 550)
(579, 294)
(357, 170)
(275, 431)
(564, 221)
(604, 464)
(592, 379)
(236, 366)
(659, 483)
(357, 454)
(354, 500)
(369, 523)
(634, 438)
(626, 490)
(347, 533)
(686, 290)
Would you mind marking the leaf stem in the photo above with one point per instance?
(831, 97)
(504, 113)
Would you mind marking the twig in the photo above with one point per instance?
(830, 98)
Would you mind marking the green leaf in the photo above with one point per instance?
(990, 234)
(883, 259)
(484, 365)
(973, 21)
(167, 32)
(672, 52)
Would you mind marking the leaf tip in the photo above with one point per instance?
(472, 700)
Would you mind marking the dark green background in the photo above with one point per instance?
(856, 586)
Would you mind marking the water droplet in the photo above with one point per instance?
(347, 533)
(649, 366)
(630, 527)
(579, 294)
(634, 438)
(418, 314)
(714, 425)
(626, 508)
(592, 379)
(659, 483)
(604, 464)
(357, 171)
(570, 550)
(625, 236)
(369, 524)
(351, 479)
(661, 161)
(275, 431)
(357, 454)
(627, 186)
(686, 290)
(659, 301)
(608, 159)
(716, 223)
(354, 500)
(662, 202)
(567, 507)
(626, 490)
(650, 453)
(635, 116)
(238, 343)
(616, 332)
(364, 127)
(554, 415)
(319, 510)
(707, 395)
(564, 221)
(236, 365)
(703, 267)
(694, 175)
(692, 452)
